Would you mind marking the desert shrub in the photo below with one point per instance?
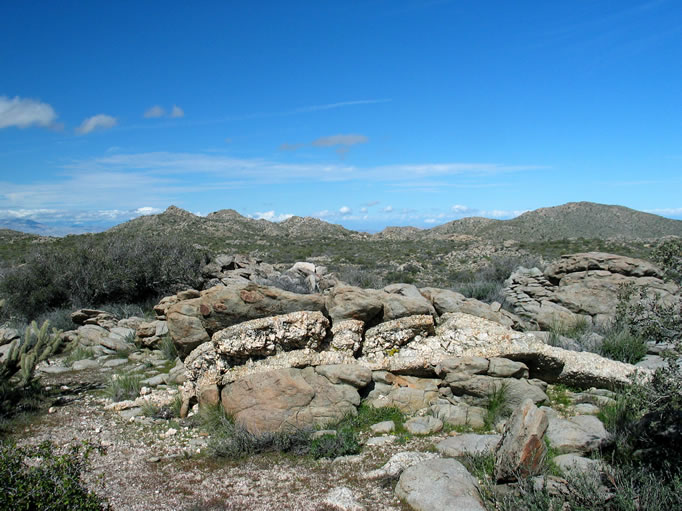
(231, 440)
(168, 348)
(361, 277)
(497, 405)
(487, 283)
(123, 386)
(622, 345)
(343, 443)
(40, 478)
(368, 415)
(643, 313)
(93, 270)
(668, 255)
(78, 352)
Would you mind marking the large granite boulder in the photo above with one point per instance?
(288, 400)
(192, 322)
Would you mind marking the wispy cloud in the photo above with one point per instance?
(22, 113)
(259, 170)
(177, 112)
(154, 112)
(340, 104)
(96, 122)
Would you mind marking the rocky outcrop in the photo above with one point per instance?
(260, 338)
(192, 322)
(580, 288)
(230, 270)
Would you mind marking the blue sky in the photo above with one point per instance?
(365, 113)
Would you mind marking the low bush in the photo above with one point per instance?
(94, 270)
(343, 443)
(233, 441)
(123, 386)
(167, 347)
(622, 345)
(497, 405)
(41, 478)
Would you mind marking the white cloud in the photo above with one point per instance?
(177, 112)
(459, 208)
(271, 216)
(100, 121)
(325, 213)
(22, 113)
(363, 210)
(344, 210)
(430, 220)
(388, 209)
(155, 111)
(342, 140)
(147, 210)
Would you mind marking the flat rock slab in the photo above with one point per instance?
(424, 425)
(468, 444)
(579, 434)
(398, 464)
(439, 484)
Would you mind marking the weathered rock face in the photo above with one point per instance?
(287, 400)
(264, 337)
(192, 322)
(522, 449)
(347, 336)
(391, 335)
(580, 287)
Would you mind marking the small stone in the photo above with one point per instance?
(52, 409)
(153, 459)
(145, 390)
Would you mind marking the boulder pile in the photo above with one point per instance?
(580, 288)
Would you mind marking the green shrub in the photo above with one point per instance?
(233, 441)
(343, 443)
(78, 353)
(621, 344)
(668, 255)
(40, 478)
(497, 405)
(123, 386)
(95, 270)
(167, 347)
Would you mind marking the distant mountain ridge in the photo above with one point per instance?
(572, 220)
